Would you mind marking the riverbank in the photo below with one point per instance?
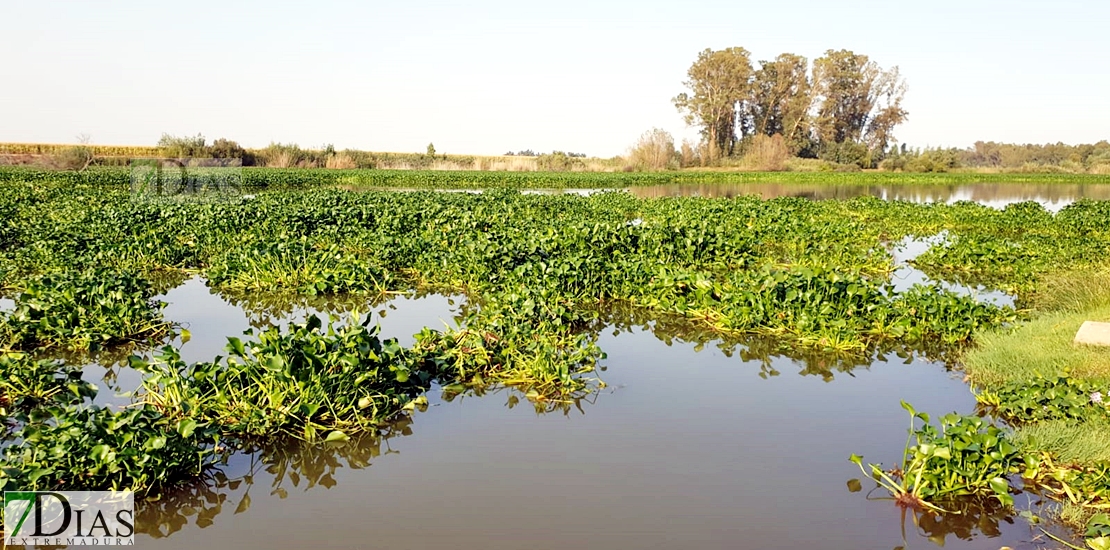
(1052, 390)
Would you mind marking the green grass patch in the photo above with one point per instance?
(1068, 441)
(1040, 348)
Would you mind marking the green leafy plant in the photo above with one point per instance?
(83, 310)
(90, 447)
(26, 383)
(309, 382)
(1042, 399)
(966, 456)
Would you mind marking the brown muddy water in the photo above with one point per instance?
(696, 442)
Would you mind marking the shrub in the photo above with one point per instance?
(767, 153)
(186, 146)
(653, 151)
(848, 152)
(77, 157)
(341, 161)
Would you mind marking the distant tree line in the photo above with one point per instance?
(531, 153)
(842, 108)
(989, 155)
(280, 155)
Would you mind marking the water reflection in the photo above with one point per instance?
(765, 352)
(1053, 196)
(280, 468)
(684, 448)
(906, 275)
(687, 446)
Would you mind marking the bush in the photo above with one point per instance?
(187, 146)
(653, 151)
(933, 160)
(767, 153)
(77, 157)
(848, 152)
(558, 161)
(227, 149)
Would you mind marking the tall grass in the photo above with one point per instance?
(767, 153)
(1074, 291)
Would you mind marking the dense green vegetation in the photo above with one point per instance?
(276, 178)
(82, 259)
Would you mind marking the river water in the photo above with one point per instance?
(1052, 196)
(695, 443)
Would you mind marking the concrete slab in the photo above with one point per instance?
(1093, 334)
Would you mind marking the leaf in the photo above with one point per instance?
(856, 459)
(235, 345)
(909, 408)
(1099, 543)
(99, 453)
(243, 504)
(854, 486)
(186, 427)
(1000, 486)
(336, 435)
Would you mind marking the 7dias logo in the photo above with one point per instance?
(69, 518)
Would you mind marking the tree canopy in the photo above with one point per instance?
(844, 105)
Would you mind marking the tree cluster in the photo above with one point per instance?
(198, 147)
(843, 107)
(989, 155)
(531, 153)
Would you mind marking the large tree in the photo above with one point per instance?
(719, 81)
(859, 101)
(781, 100)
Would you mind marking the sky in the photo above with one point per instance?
(485, 77)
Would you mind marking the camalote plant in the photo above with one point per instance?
(88, 446)
(297, 266)
(811, 272)
(308, 382)
(1096, 536)
(26, 383)
(966, 456)
(529, 340)
(83, 310)
(53, 438)
(1059, 398)
(823, 307)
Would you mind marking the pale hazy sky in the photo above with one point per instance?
(487, 76)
